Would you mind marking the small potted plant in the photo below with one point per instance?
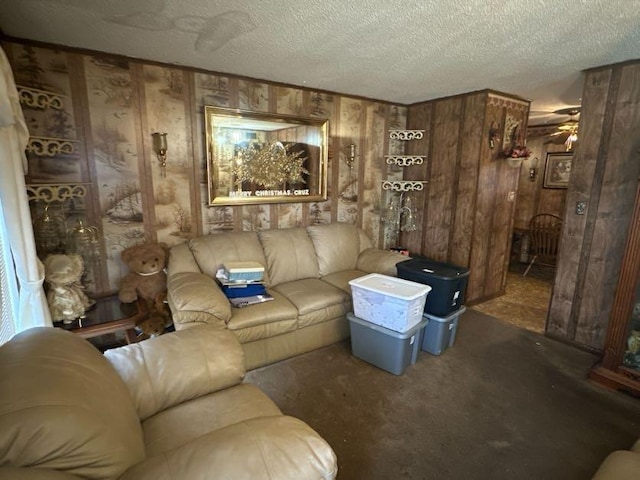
(516, 148)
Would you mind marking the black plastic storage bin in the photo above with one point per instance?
(448, 283)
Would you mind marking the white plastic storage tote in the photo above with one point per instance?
(390, 302)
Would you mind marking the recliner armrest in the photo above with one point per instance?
(274, 447)
(196, 297)
(164, 371)
(619, 465)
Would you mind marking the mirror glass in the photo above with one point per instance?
(257, 157)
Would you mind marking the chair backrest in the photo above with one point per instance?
(544, 237)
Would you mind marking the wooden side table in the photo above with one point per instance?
(108, 315)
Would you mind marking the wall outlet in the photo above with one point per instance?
(581, 208)
(511, 196)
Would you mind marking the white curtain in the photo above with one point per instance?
(32, 308)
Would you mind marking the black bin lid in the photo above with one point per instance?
(432, 268)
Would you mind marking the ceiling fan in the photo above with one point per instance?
(567, 132)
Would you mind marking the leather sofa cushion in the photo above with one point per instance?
(337, 246)
(290, 255)
(178, 425)
(35, 473)
(181, 260)
(365, 240)
(341, 279)
(213, 251)
(331, 312)
(267, 330)
(63, 407)
(276, 447)
(311, 294)
(276, 310)
(164, 371)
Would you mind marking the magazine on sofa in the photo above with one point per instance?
(252, 300)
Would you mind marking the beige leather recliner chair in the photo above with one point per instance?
(172, 407)
(621, 465)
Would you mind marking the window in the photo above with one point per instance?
(8, 285)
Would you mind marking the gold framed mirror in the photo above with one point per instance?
(255, 157)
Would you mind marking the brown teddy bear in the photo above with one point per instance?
(65, 296)
(147, 278)
(153, 324)
(147, 281)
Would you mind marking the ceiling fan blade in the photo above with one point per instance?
(558, 138)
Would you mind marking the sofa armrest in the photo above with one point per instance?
(196, 297)
(164, 371)
(376, 260)
(276, 447)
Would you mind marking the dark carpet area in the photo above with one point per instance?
(502, 403)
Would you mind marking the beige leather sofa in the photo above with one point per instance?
(170, 408)
(307, 270)
(621, 465)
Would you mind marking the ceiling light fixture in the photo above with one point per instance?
(571, 139)
(571, 127)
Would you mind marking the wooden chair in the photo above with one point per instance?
(544, 238)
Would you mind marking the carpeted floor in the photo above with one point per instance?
(502, 403)
(525, 302)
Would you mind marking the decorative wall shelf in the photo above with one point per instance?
(35, 98)
(400, 212)
(406, 134)
(403, 185)
(55, 192)
(50, 147)
(405, 160)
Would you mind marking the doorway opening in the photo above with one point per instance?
(526, 299)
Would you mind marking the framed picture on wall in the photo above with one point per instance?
(256, 157)
(557, 170)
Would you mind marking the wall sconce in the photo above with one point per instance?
(351, 154)
(533, 169)
(160, 147)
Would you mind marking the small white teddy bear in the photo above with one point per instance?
(65, 295)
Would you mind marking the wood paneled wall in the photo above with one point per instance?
(605, 172)
(112, 105)
(467, 208)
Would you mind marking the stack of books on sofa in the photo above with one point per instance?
(242, 283)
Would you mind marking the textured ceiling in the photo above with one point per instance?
(403, 51)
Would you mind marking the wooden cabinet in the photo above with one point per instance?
(620, 366)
